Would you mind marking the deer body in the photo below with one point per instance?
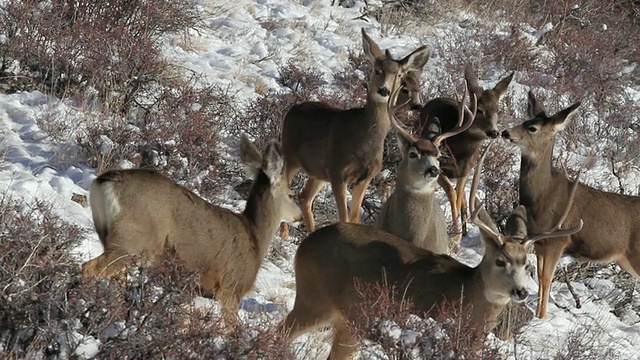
(142, 212)
(464, 147)
(611, 230)
(412, 211)
(344, 147)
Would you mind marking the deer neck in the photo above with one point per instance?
(262, 217)
(487, 303)
(377, 116)
(536, 175)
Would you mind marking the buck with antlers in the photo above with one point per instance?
(345, 147)
(464, 147)
(412, 211)
(331, 260)
(612, 230)
(141, 212)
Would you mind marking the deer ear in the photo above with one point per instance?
(273, 161)
(472, 80)
(561, 118)
(387, 53)
(403, 143)
(516, 225)
(535, 108)
(432, 128)
(502, 85)
(250, 155)
(371, 49)
(416, 60)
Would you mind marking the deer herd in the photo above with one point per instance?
(141, 212)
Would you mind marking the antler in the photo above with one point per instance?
(475, 204)
(557, 230)
(392, 107)
(461, 125)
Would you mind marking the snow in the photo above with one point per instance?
(236, 49)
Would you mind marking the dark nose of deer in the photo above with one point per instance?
(493, 133)
(383, 91)
(432, 171)
(519, 294)
(505, 134)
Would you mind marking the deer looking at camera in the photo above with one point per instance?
(141, 212)
(412, 211)
(344, 147)
(611, 232)
(464, 147)
(331, 260)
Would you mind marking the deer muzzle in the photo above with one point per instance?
(519, 294)
(432, 171)
(383, 91)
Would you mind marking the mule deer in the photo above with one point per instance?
(611, 232)
(329, 261)
(464, 147)
(141, 212)
(412, 211)
(344, 147)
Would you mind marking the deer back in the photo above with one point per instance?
(140, 211)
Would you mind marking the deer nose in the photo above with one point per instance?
(493, 133)
(383, 91)
(519, 294)
(505, 134)
(432, 171)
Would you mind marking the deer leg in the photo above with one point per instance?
(108, 264)
(550, 252)
(451, 195)
(461, 201)
(357, 196)
(344, 343)
(307, 195)
(340, 193)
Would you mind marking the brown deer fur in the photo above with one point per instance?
(141, 212)
(464, 147)
(344, 147)
(611, 230)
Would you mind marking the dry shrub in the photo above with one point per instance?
(392, 323)
(48, 311)
(500, 182)
(68, 47)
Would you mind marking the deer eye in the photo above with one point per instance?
(532, 129)
(413, 154)
(500, 263)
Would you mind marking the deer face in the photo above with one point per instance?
(488, 101)
(506, 278)
(419, 165)
(539, 133)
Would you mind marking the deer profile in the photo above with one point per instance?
(329, 262)
(412, 211)
(464, 147)
(344, 147)
(611, 230)
(142, 212)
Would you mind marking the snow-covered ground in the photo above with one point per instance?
(242, 45)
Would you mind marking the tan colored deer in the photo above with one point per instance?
(329, 262)
(464, 147)
(141, 212)
(612, 230)
(412, 211)
(344, 147)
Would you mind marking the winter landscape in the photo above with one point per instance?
(172, 85)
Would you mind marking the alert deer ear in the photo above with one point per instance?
(562, 117)
(535, 109)
(416, 60)
(371, 49)
(472, 80)
(273, 161)
(250, 155)
(502, 85)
